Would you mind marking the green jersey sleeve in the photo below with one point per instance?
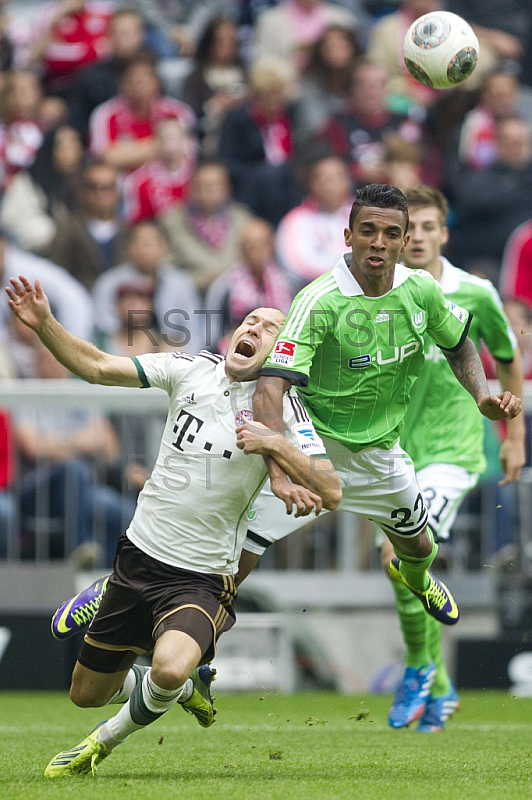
(447, 323)
(306, 327)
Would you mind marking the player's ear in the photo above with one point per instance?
(444, 235)
(347, 237)
(406, 239)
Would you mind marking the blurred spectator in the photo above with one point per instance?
(403, 162)
(6, 45)
(175, 26)
(516, 271)
(177, 310)
(91, 239)
(490, 203)
(217, 80)
(385, 47)
(205, 232)
(99, 82)
(68, 35)
(502, 28)
(133, 301)
(25, 114)
(61, 455)
(257, 141)
(39, 197)
(325, 82)
(122, 130)
(500, 96)
(358, 133)
(70, 300)
(254, 281)
(311, 236)
(290, 28)
(519, 315)
(163, 182)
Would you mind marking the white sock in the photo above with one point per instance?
(133, 677)
(147, 703)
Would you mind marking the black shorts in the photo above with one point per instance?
(144, 598)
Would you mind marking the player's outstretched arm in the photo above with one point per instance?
(468, 369)
(30, 304)
(316, 474)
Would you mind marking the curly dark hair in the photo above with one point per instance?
(378, 195)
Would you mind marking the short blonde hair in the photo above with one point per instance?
(270, 72)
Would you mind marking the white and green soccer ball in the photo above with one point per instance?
(440, 49)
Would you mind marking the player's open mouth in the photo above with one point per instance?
(375, 261)
(245, 349)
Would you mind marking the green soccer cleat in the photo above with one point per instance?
(201, 702)
(76, 613)
(437, 599)
(79, 760)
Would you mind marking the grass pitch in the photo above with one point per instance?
(273, 747)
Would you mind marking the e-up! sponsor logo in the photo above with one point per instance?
(399, 355)
(284, 353)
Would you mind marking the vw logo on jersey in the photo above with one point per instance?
(243, 416)
(418, 319)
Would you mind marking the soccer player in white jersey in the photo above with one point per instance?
(172, 587)
(353, 344)
(443, 434)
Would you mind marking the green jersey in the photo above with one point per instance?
(355, 358)
(443, 424)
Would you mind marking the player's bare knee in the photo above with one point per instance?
(86, 696)
(168, 676)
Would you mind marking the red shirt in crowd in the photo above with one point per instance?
(116, 120)
(152, 189)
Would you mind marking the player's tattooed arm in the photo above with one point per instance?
(468, 369)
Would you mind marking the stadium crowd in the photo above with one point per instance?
(166, 167)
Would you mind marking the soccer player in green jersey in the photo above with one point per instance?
(353, 344)
(443, 434)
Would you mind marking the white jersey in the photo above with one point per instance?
(192, 512)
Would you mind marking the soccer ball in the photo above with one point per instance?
(440, 49)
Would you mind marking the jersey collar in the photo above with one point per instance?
(348, 284)
(221, 375)
(449, 279)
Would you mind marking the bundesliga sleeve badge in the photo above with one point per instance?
(284, 353)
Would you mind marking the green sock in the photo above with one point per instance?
(415, 569)
(413, 620)
(441, 683)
